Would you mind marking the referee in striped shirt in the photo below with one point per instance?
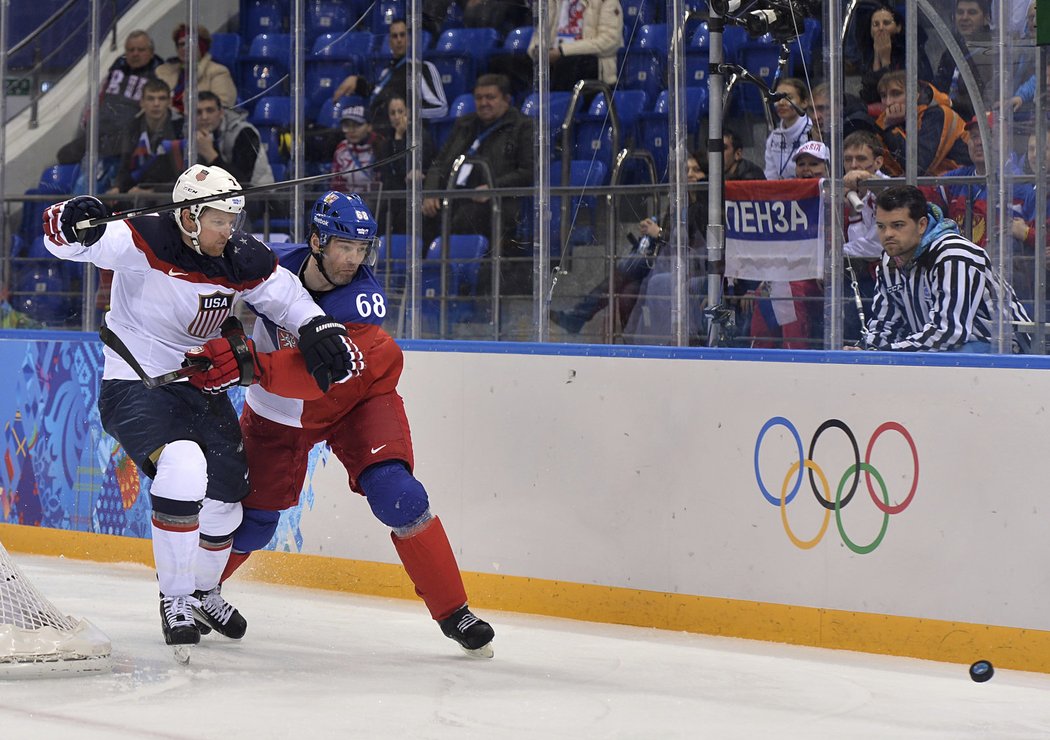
(935, 289)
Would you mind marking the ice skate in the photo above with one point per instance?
(176, 622)
(212, 612)
(473, 635)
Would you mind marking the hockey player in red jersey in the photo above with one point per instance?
(363, 421)
(177, 278)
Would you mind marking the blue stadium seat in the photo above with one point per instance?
(60, 178)
(326, 16)
(557, 110)
(637, 13)
(583, 174)
(341, 47)
(280, 171)
(465, 255)
(479, 43)
(654, 129)
(645, 60)
(629, 105)
(392, 263)
(262, 16)
(457, 73)
(440, 128)
(761, 60)
(518, 40)
(42, 293)
(322, 78)
(265, 68)
(734, 39)
(385, 12)
(271, 116)
(226, 50)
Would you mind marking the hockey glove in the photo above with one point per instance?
(330, 355)
(232, 360)
(61, 219)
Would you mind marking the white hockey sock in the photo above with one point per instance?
(210, 564)
(174, 554)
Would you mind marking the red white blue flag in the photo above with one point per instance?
(774, 230)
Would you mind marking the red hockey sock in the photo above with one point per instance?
(236, 561)
(429, 562)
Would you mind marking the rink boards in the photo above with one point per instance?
(663, 488)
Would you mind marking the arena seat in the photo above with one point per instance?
(440, 128)
(465, 255)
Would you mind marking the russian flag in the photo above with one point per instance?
(774, 230)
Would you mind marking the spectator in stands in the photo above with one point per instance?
(211, 75)
(974, 35)
(585, 36)
(227, 140)
(942, 134)
(881, 43)
(935, 290)
(152, 153)
(355, 151)
(862, 160)
(501, 136)
(789, 315)
(735, 166)
(392, 81)
(792, 132)
(1022, 226)
(119, 96)
(630, 271)
(855, 116)
(397, 174)
(1024, 65)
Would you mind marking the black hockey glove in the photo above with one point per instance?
(228, 361)
(330, 355)
(60, 221)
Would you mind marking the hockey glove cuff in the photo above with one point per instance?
(232, 357)
(60, 221)
(330, 355)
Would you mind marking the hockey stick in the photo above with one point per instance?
(88, 223)
(115, 343)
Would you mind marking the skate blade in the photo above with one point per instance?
(182, 653)
(482, 653)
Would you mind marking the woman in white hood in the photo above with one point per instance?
(792, 131)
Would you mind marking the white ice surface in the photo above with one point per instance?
(321, 665)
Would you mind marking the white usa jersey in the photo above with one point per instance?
(167, 299)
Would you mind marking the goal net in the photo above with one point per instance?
(36, 639)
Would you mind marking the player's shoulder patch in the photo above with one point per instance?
(250, 259)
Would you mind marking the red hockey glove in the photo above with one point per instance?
(232, 359)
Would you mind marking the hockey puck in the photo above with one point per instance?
(981, 671)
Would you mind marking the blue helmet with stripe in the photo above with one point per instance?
(343, 216)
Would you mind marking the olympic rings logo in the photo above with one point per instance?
(840, 501)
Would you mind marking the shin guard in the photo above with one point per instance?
(430, 563)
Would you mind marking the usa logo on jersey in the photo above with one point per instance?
(212, 310)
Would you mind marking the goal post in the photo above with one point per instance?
(36, 639)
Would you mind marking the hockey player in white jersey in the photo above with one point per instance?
(177, 277)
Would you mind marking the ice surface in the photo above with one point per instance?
(318, 665)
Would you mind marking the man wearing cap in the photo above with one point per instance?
(356, 151)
